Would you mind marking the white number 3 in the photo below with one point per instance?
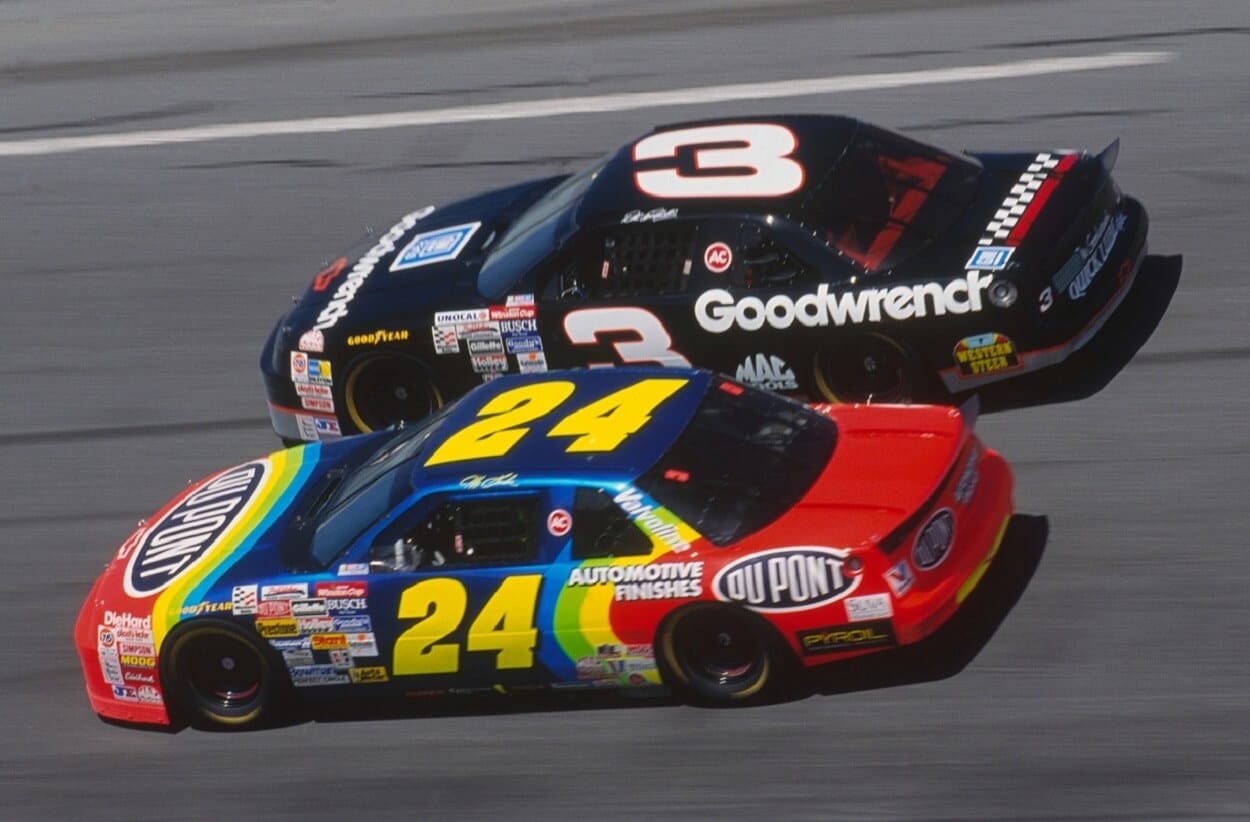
(761, 162)
(584, 326)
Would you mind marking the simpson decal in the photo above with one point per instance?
(192, 528)
(786, 579)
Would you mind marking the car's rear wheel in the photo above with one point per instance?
(865, 368)
(721, 655)
(217, 676)
(384, 389)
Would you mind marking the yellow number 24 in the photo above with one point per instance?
(504, 625)
(600, 426)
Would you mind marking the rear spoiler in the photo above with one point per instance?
(1109, 155)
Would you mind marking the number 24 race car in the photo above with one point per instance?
(595, 529)
(813, 255)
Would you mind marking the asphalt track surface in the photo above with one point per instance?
(138, 283)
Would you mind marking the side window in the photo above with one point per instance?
(601, 529)
(465, 532)
(626, 261)
(764, 262)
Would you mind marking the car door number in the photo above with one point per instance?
(505, 625)
(652, 345)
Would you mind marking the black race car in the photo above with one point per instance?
(817, 256)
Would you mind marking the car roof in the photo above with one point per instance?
(537, 455)
(821, 139)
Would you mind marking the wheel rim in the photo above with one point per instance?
(873, 369)
(386, 390)
(722, 649)
(224, 674)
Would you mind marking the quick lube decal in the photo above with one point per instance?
(336, 308)
(192, 528)
(786, 579)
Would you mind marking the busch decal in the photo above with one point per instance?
(192, 528)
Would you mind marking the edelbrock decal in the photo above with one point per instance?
(717, 311)
(336, 308)
(786, 579)
(192, 528)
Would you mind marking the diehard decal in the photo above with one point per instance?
(192, 528)
(786, 579)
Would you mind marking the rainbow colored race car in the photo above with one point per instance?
(592, 529)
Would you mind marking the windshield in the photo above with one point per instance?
(371, 489)
(532, 236)
(746, 458)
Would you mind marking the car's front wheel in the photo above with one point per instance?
(865, 368)
(721, 655)
(217, 676)
(384, 389)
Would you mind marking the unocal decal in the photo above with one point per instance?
(192, 528)
(786, 579)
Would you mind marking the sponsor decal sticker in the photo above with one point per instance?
(299, 657)
(125, 693)
(843, 638)
(308, 389)
(520, 299)
(317, 404)
(717, 311)
(511, 313)
(320, 371)
(967, 485)
(786, 579)
(312, 340)
(985, 354)
(270, 628)
(301, 643)
(434, 246)
(140, 677)
(315, 624)
(362, 644)
(900, 577)
(131, 647)
(533, 362)
(205, 608)
(655, 215)
(299, 366)
(353, 624)
(341, 589)
(374, 673)
(934, 541)
(872, 606)
(285, 590)
(559, 522)
(329, 642)
(351, 569)
(489, 363)
(308, 607)
(1093, 257)
(484, 342)
(642, 581)
(445, 340)
(989, 258)
(273, 608)
(768, 372)
(307, 426)
(523, 345)
(192, 528)
(326, 427)
(336, 308)
(465, 315)
(378, 337)
(138, 661)
(346, 604)
(658, 522)
(718, 258)
(327, 275)
(303, 676)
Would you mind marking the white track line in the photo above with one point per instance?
(534, 109)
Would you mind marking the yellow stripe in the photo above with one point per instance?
(975, 577)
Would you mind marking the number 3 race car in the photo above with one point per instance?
(813, 255)
(601, 528)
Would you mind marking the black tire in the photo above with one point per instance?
(866, 368)
(217, 676)
(383, 389)
(716, 655)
